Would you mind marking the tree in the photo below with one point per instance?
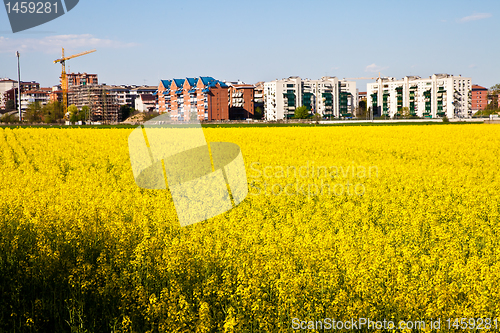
(73, 113)
(52, 112)
(495, 88)
(258, 113)
(34, 112)
(9, 118)
(493, 95)
(84, 113)
(361, 109)
(10, 105)
(125, 111)
(149, 115)
(405, 112)
(302, 112)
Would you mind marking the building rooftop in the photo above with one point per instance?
(179, 82)
(192, 81)
(147, 97)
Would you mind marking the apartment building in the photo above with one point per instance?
(328, 96)
(137, 91)
(41, 96)
(6, 84)
(81, 79)
(241, 100)
(437, 96)
(479, 98)
(121, 94)
(102, 105)
(11, 93)
(56, 94)
(204, 97)
(145, 103)
(258, 95)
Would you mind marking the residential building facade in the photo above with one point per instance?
(41, 96)
(258, 95)
(136, 91)
(479, 98)
(11, 93)
(328, 97)
(204, 98)
(145, 103)
(6, 84)
(102, 105)
(437, 96)
(81, 79)
(241, 101)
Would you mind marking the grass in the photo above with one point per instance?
(242, 125)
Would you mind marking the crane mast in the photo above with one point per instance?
(64, 78)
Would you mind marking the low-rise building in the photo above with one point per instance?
(136, 91)
(145, 103)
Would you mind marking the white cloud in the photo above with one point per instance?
(374, 68)
(475, 17)
(53, 44)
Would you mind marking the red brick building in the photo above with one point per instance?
(204, 97)
(479, 98)
(56, 94)
(241, 101)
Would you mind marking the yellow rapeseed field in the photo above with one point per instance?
(395, 223)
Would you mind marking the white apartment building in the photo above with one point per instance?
(5, 85)
(437, 96)
(328, 96)
(32, 96)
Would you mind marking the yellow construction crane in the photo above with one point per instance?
(64, 79)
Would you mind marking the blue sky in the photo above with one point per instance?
(141, 42)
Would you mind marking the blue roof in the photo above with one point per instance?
(179, 82)
(179, 91)
(192, 81)
(211, 82)
(192, 90)
(205, 90)
(166, 83)
(206, 79)
(166, 92)
(156, 92)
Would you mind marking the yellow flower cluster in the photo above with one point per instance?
(83, 249)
